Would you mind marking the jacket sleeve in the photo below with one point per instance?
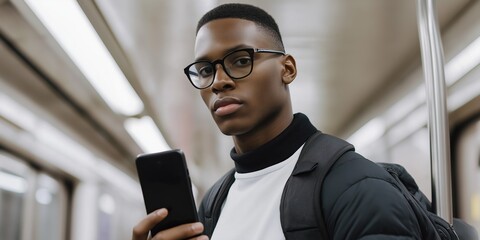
(361, 203)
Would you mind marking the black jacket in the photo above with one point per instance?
(358, 200)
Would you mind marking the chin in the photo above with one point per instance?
(231, 128)
(230, 131)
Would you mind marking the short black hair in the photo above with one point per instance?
(247, 12)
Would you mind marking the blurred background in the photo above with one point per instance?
(87, 85)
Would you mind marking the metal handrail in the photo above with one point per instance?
(432, 58)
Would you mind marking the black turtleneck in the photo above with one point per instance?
(278, 149)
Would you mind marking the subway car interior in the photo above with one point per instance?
(87, 85)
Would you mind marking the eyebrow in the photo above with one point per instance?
(227, 51)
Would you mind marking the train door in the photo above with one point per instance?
(14, 179)
(32, 203)
(50, 203)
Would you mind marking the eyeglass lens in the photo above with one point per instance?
(237, 65)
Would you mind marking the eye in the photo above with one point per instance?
(205, 71)
(242, 61)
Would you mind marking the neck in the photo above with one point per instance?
(278, 149)
(263, 133)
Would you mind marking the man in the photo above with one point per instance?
(243, 75)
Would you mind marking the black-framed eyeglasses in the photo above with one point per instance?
(237, 64)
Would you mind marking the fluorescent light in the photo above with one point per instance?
(42, 130)
(12, 183)
(368, 133)
(406, 105)
(463, 62)
(462, 97)
(47, 137)
(67, 23)
(146, 134)
(455, 70)
(413, 122)
(16, 114)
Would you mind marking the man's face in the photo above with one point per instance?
(252, 103)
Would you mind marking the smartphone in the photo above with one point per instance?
(166, 184)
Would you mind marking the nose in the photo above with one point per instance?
(222, 82)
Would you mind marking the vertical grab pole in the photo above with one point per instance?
(432, 58)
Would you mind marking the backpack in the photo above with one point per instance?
(332, 148)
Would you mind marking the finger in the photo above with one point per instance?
(203, 237)
(140, 231)
(184, 231)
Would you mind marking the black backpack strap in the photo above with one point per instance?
(318, 155)
(212, 202)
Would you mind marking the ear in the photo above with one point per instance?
(290, 69)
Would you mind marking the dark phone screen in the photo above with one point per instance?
(166, 184)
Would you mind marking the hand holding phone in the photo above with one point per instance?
(187, 231)
(166, 184)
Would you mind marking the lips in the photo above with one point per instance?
(226, 106)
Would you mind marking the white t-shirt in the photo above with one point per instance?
(252, 207)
